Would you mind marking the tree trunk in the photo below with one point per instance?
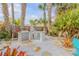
(23, 13)
(6, 14)
(13, 20)
(44, 19)
(49, 7)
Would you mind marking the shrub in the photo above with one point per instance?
(6, 35)
(67, 21)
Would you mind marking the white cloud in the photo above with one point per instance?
(34, 17)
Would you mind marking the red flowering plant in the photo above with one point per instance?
(15, 52)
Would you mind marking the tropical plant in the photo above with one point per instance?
(17, 22)
(43, 7)
(35, 22)
(62, 7)
(69, 21)
(14, 52)
(32, 22)
(5, 35)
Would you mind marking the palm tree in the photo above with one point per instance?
(12, 9)
(13, 21)
(6, 14)
(23, 13)
(43, 7)
(49, 7)
(63, 7)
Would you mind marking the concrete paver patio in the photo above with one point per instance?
(47, 47)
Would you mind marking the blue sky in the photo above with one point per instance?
(32, 11)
